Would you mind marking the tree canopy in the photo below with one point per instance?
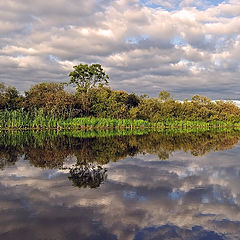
(9, 97)
(86, 76)
(164, 95)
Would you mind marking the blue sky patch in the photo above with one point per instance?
(136, 40)
(178, 4)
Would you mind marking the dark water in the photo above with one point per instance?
(167, 185)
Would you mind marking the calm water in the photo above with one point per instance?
(56, 185)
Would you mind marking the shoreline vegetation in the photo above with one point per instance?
(21, 120)
(93, 105)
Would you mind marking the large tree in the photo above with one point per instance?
(86, 76)
(51, 97)
(10, 98)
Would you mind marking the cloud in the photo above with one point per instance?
(145, 46)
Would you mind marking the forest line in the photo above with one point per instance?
(93, 104)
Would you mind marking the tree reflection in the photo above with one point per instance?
(87, 175)
(51, 149)
(9, 156)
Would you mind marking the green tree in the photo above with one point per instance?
(51, 97)
(108, 103)
(164, 95)
(132, 100)
(201, 100)
(86, 76)
(10, 98)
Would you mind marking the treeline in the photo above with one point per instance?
(53, 100)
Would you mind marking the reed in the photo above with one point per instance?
(22, 120)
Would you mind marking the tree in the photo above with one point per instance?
(86, 76)
(10, 98)
(51, 97)
(164, 96)
(132, 100)
(201, 100)
(108, 103)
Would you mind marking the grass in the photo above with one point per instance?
(22, 120)
(19, 119)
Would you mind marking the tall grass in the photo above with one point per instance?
(20, 119)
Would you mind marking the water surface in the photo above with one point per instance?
(166, 185)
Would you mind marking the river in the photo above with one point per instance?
(159, 185)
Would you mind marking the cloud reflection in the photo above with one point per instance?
(183, 197)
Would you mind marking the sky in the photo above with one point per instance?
(186, 47)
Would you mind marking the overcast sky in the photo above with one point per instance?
(183, 46)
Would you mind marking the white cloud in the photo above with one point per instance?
(134, 41)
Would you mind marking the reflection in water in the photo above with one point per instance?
(193, 193)
(174, 232)
(87, 176)
(50, 149)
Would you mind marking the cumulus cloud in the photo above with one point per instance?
(183, 46)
